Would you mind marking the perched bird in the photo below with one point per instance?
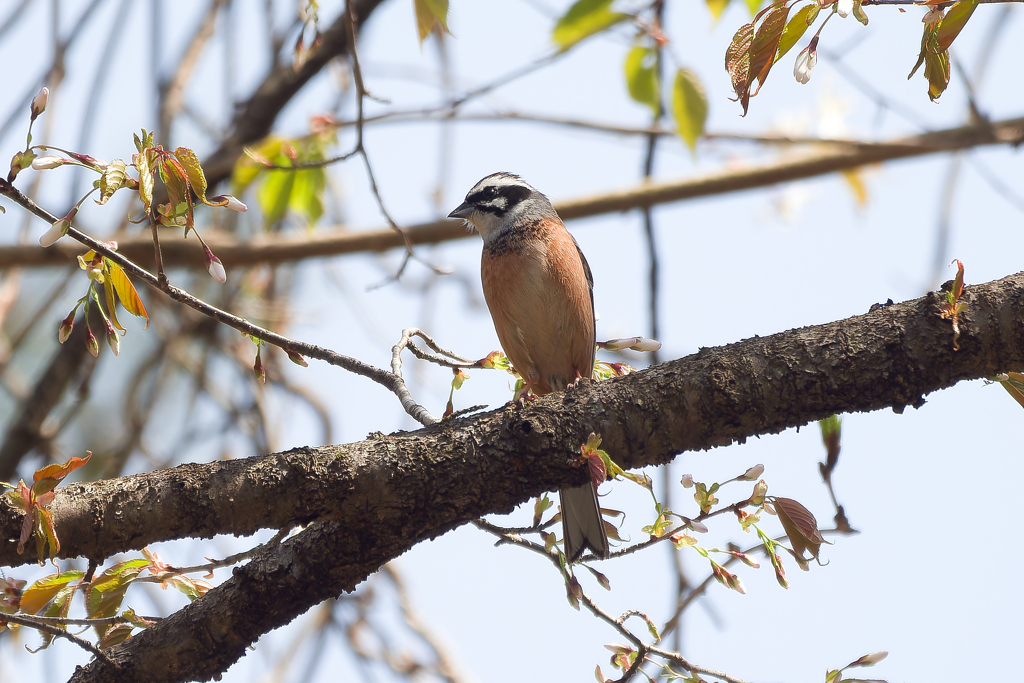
(539, 290)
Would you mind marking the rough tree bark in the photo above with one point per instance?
(379, 497)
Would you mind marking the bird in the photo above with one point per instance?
(540, 293)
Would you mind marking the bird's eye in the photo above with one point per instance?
(490, 192)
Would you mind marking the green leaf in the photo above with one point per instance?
(795, 28)
(274, 195)
(146, 178)
(251, 164)
(431, 14)
(689, 107)
(859, 14)
(954, 21)
(192, 588)
(141, 143)
(39, 594)
(60, 607)
(936, 70)
(193, 170)
(108, 290)
(584, 19)
(642, 77)
(111, 180)
(717, 7)
(126, 292)
(106, 592)
(307, 194)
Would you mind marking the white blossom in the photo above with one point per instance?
(805, 62)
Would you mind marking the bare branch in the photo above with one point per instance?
(50, 629)
(179, 252)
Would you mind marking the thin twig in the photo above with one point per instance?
(233, 559)
(391, 381)
(31, 622)
(172, 90)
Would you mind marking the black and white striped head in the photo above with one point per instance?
(501, 201)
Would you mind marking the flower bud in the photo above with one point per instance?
(112, 339)
(844, 7)
(214, 265)
(90, 161)
(91, 343)
(297, 359)
(869, 660)
(760, 491)
(619, 344)
(805, 62)
(56, 231)
(66, 326)
(48, 162)
(229, 202)
(699, 527)
(753, 473)
(687, 481)
(39, 102)
(257, 368)
(645, 344)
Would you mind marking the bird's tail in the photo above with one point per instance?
(582, 525)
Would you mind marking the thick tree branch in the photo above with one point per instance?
(280, 249)
(410, 486)
(386, 494)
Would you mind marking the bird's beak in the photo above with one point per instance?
(463, 210)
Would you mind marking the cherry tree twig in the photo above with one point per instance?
(32, 622)
(391, 381)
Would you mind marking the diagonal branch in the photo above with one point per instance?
(410, 486)
(384, 495)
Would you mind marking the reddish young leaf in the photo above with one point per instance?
(1014, 385)
(766, 44)
(598, 473)
(800, 525)
(193, 170)
(953, 307)
(737, 63)
(46, 533)
(56, 473)
(175, 179)
(116, 634)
